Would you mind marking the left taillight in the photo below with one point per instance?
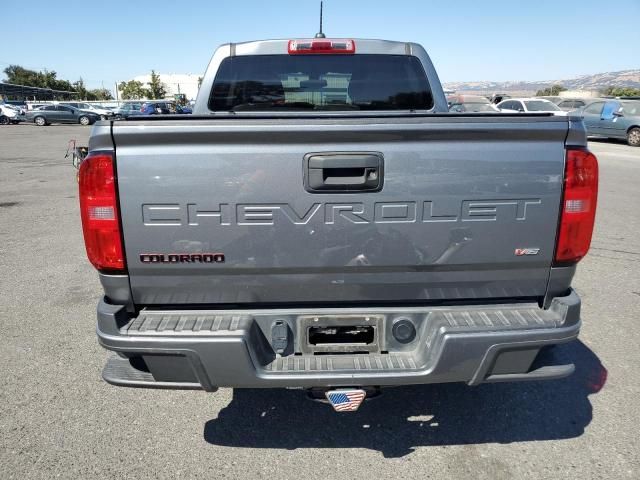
(99, 212)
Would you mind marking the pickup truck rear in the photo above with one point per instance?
(323, 222)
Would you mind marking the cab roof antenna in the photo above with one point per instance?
(320, 34)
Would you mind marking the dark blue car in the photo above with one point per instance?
(156, 108)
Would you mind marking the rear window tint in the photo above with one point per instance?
(320, 82)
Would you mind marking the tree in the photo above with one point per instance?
(22, 76)
(622, 92)
(156, 88)
(132, 90)
(99, 94)
(552, 91)
(48, 79)
(44, 79)
(81, 89)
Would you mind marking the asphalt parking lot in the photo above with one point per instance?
(59, 419)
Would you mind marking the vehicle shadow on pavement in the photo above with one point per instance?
(407, 417)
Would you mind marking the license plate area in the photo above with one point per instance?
(356, 335)
(339, 334)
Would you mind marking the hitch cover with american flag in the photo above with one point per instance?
(345, 400)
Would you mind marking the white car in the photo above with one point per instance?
(88, 107)
(526, 105)
(10, 114)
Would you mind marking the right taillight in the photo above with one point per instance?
(99, 212)
(578, 206)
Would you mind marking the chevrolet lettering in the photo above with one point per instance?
(330, 213)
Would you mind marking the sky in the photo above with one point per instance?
(107, 42)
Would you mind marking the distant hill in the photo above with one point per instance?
(598, 81)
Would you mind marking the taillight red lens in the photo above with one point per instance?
(319, 46)
(99, 212)
(579, 206)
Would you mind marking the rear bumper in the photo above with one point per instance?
(236, 348)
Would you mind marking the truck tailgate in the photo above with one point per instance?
(468, 209)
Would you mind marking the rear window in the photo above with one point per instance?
(320, 82)
(540, 106)
(631, 108)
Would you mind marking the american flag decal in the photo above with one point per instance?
(345, 400)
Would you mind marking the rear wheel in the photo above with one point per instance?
(84, 120)
(633, 137)
(4, 120)
(40, 121)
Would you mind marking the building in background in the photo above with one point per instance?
(175, 83)
(580, 94)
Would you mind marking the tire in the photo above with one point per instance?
(40, 121)
(633, 137)
(4, 120)
(118, 117)
(84, 120)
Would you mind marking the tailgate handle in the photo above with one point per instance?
(343, 172)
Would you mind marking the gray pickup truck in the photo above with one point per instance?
(323, 222)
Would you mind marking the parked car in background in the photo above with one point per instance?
(61, 114)
(19, 104)
(570, 104)
(127, 110)
(499, 97)
(11, 114)
(469, 103)
(613, 119)
(551, 98)
(157, 108)
(527, 105)
(184, 109)
(35, 105)
(104, 113)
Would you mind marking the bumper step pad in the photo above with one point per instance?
(333, 363)
(152, 323)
